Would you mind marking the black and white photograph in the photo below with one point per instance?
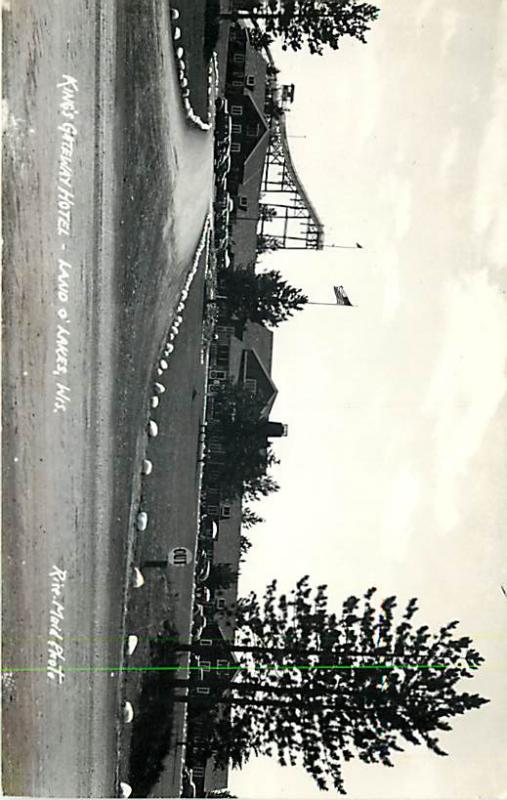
(254, 399)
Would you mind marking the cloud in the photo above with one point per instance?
(396, 192)
(423, 9)
(449, 21)
(467, 386)
(392, 291)
(401, 502)
(449, 154)
(490, 215)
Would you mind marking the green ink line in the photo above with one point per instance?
(230, 668)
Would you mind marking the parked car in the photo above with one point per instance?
(199, 622)
(223, 165)
(222, 148)
(203, 595)
(223, 259)
(209, 529)
(224, 203)
(203, 567)
(220, 185)
(221, 105)
(188, 787)
(223, 123)
(222, 220)
(221, 240)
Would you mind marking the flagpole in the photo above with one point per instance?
(336, 305)
(345, 246)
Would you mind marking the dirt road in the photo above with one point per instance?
(84, 309)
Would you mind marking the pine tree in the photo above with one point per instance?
(320, 688)
(246, 454)
(264, 297)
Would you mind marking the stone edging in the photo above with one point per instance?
(213, 78)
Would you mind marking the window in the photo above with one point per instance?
(225, 330)
(225, 511)
(220, 602)
(237, 127)
(243, 202)
(237, 111)
(235, 147)
(198, 771)
(205, 642)
(202, 690)
(222, 663)
(218, 374)
(251, 385)
(250, 82)
(238, 58)
(237, 84)
(204, 664)
(252, 131)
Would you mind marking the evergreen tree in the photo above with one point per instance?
(267, 244)
(244, 546)
(264, 297)
(319, 688)
(246, 454)
(266, 212)
(222, 576)
(249, 518)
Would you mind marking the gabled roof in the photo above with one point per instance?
(260, 338)
(264, 133)
(221, 644)
(252, 115)
(266, 389)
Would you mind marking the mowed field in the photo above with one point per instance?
(140, 184)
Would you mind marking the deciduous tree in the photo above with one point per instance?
(315, 24)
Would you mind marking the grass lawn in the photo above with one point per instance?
(170, 495)
(198, 21)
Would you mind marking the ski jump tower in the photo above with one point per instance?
(296, 224)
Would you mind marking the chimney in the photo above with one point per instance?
(274, 430)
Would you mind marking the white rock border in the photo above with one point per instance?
(137, 577)
(125, 789)
(163, 361)
(132, 641)
(127, 712)
(213, 80)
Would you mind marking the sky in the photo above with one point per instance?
(394, 470)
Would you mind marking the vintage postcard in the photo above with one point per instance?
(254, 399)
